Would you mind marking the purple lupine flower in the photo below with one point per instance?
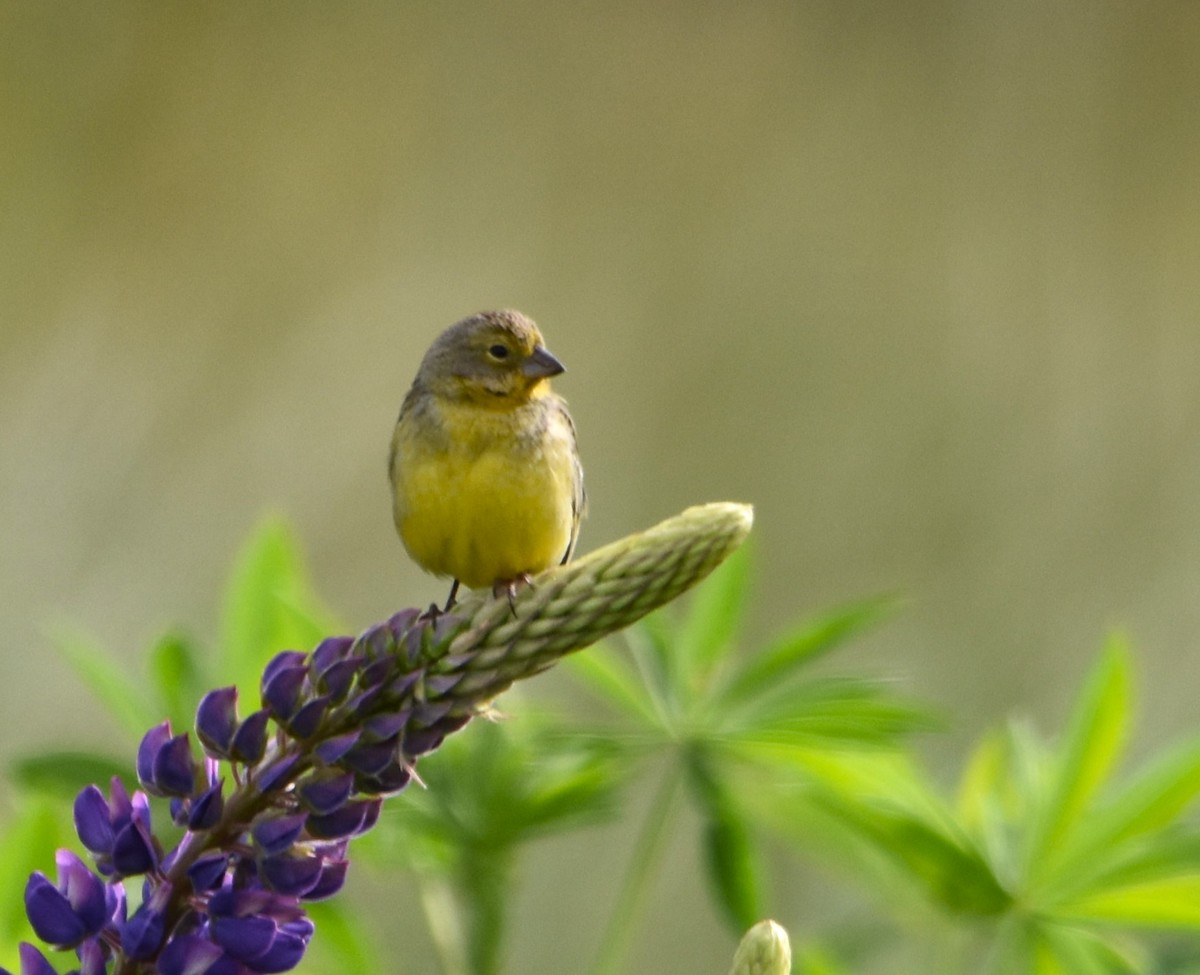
(228, 897)
(75, 909)
(350, 721)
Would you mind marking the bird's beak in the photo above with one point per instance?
(541, 364)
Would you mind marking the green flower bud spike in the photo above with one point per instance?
(764, 950)
(572, 606)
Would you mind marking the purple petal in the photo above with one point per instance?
(278, 833)
(391, 780)
(329, 651)
(119, 806)
(338, 678)
(441, 684)
(216, 720)
(290, 874)
(403, 684)
(174, 767)
(143, 933)
(376, 642)
(370, 758)
(206, 810)
(133, 850)
(92, 822)
(362, 702)
(281, 694)
(85, 892)
(152, 743)
(282, 661)
(276, 772)
(415, 642)
(33, 962)
(189, 954)
(426, 713)
(383, 726)
(403, 621)
(50, 913)
(324, 793)
(91, 958)
(245, 938)
(332, 749)
(349, 820)
(305, 722)
(250, 742)
(208, 871)
(420, 741)
(377, 673)
(285, 953)
(333, 877)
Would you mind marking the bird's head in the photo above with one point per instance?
(497, 359)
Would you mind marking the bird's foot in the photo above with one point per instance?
(510, 588)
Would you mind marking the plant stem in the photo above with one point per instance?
(443, 919)
(647, 853)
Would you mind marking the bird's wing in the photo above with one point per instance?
(579, 493)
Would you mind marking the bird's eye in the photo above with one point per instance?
(498, 351)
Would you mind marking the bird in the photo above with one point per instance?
(487, 485)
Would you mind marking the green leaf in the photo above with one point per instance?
(269, 607)
(63, 773)
(814, 960)
(27, 844)
(606, 673)
(1150, 804)
(950, 869)
(344, 944)
(830, 711)
(121, 696)
(733, 866)
(713, 617)
(1093, 744)
(782, 659)
(1172, 902)
(1060, 949)
(176, 677)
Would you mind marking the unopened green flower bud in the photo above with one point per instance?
(764, 950)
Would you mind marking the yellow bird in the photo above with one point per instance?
(487, 486)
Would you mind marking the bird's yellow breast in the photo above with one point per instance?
(484, 495)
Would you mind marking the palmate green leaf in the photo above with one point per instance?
(1165, 856)
(607, 674)
(269, 606)
(121, 695)
(713, 617)
(1111, 836)
(1094, 741)
(493, 787)
(784, 658)
(947, 866)
(63, 773)
(837, 711)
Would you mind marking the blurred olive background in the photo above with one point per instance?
(921, 281)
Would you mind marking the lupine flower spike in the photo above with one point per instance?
(269, 808)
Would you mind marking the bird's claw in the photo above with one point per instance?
(510, 588)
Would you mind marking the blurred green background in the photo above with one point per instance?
(921, 281)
